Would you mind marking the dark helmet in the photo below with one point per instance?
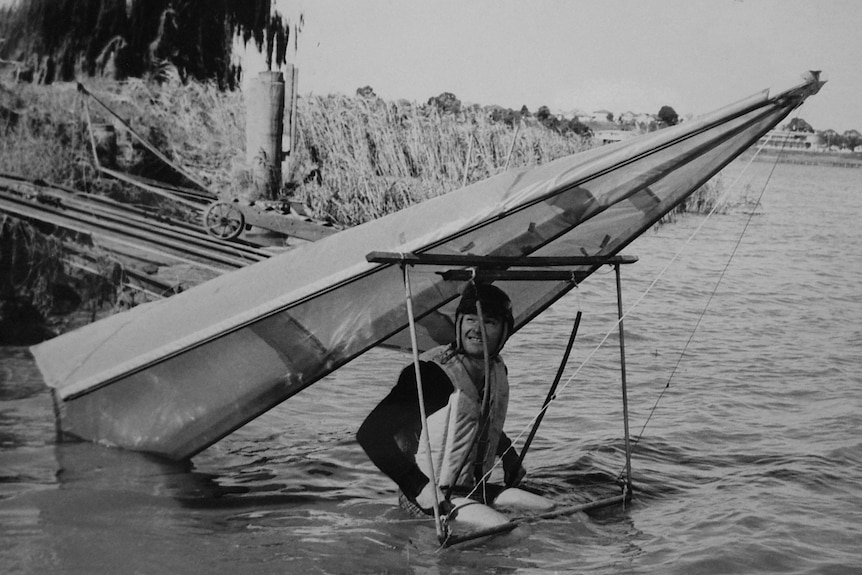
(495, 303)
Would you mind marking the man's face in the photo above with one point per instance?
(471, 335)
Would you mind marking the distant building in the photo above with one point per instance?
(627, 117)
(581, 117)
(600, 116)
(787, 140)
(611, 136)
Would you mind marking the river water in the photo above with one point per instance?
(751, 461)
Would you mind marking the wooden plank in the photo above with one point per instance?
(297, 227)
(451, 540)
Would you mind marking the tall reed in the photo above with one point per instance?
(361, 158)
(356, 158)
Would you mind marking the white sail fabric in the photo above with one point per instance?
(172, 377)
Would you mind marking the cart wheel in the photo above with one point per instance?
(224, 220)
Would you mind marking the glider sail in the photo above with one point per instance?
(175, 376)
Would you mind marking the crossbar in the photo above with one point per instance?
(513, 275)
(411, 258)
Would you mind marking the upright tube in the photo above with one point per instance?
(623, 372)
(484, 423)
(426, 439)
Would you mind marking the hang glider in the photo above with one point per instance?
(175, 376)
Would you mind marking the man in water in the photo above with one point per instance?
(466, 433)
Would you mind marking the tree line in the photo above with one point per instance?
(449, 103)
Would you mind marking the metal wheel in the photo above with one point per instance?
(224, 220)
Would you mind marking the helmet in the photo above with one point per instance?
(495, 303)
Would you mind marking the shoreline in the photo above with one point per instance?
(833, 160)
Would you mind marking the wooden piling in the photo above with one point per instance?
(264, 132)
(105, 144)
(288, 140)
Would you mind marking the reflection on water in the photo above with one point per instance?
(750, 462)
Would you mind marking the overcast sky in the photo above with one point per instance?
(619, 55)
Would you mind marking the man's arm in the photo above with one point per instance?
(512, 471)
(397, 413)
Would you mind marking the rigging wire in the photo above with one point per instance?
(615, 326)
(718, 281)
(637, 302)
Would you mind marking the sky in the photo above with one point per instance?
(619, 55)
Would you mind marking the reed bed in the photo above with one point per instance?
(356, 158)
(39, 135)
(362, 158)
(45, 134)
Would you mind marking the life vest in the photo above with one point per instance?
(453, 428)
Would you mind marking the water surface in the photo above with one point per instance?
(750, 463)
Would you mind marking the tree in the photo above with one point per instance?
(60, 39)
(579, 128)
(799, 125)
(831, 138)
(366, 92)
(549, 120)
(852, 139)
(446, 103)
(543, 114)
(668, 116)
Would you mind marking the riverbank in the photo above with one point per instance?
(356, 159)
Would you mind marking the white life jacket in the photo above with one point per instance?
(453, 428)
